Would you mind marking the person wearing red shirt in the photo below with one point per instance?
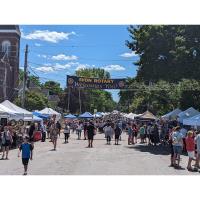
(190, 147)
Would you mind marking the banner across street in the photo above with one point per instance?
(95, 83)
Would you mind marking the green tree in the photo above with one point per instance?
(166, 52)
(34, 101)
(53, 87)
(93, 73)
(189, 91)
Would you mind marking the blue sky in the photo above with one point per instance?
(58, 50)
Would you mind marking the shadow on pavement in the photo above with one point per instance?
(156, 150)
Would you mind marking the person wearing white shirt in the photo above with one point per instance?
(79, 130)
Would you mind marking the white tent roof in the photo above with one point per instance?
(190, 112)
(131, 115)
(49, 111)
(97, 115)
(16, 109)
(172, 114)
(5, 110)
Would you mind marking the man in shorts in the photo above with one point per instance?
(27, 153)
(177, 141)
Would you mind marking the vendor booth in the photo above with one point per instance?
(86, 115)
(172, 115)
(131, 115)
(190, 112)
(98, 115)
(192, 121)
(146, 116)
(37, 114)
(20, 113)
(70, 116)
(50, 112)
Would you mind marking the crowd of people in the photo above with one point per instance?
(151, 133)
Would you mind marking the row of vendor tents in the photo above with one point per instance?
(145, 116)
(11, 111)
(189, 117)
(86, 115)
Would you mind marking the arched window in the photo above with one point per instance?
(6, 47)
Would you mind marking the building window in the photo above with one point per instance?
(6, 47)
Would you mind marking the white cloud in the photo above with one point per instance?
(82, 66)
(58, 66)
(114, 68)
(38, 45)
(128, 55)
(64, 57)
(45, 69)
(48, 36)
(52, 67)
(42, 56)
(49, 67)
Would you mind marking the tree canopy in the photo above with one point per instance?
(168, 69)
(53, 87)
(166, 52)
(34, 101)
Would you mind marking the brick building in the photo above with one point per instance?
(9, 61)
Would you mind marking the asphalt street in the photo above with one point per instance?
(75, 159)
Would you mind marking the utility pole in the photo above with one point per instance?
(25, 76)
(68, 102)
(79, 95)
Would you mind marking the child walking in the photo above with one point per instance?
(27, 153)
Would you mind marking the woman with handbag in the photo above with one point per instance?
(7, 140)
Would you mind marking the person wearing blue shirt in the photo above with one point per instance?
(26, 149)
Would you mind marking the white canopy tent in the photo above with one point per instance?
(5, 110)
(173, 114)
(50, 112)
(131, 115)
(190, 112)
(20, 112)
(7, 113)
(97, 115)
